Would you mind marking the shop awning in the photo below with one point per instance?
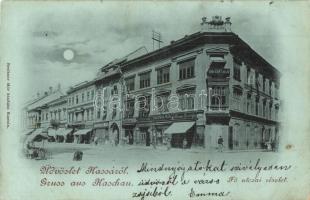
(52, 132)
(82, 132)
(217, 59)
(35, 133)
(179, 127)
(63, 132)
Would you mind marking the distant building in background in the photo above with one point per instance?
(38, 113)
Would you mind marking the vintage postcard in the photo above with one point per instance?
(151, 100)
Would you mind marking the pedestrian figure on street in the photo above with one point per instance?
(96, 140)
(168, 143)
(220, 142)
(184, 143)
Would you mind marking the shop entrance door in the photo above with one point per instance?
(147, 138)
(230, 138)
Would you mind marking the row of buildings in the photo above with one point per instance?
(196, 89)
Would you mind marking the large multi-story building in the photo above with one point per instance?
(39, 111)
(203, 86)
(108, 101)
(199, 88)
(80, 109)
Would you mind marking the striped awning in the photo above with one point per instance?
(82, 132)
(35, 133)
(179, 128)
(52, 132)
(63, 132)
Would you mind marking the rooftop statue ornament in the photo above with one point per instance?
(204, 21)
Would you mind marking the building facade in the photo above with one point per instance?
(199, 88)
(213, 80)
(38, 113)
(81, 111)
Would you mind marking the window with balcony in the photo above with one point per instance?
(276, 88)
(248, 104)
(264, 108)
(187, 69)
(256, 105)
(114, 90)
(72, 100)
(237, 73)
(145, 80)
(76, 99)
(92, 94)
(264, 84)
(144, 106)
(218, 97)
(130, 84)
(83, 97)
(91, 114)
(88, 95)
(257, 84)
(248, 75)
(163, 75)
(236, 100)
(276, 112)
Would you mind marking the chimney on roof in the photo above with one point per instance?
(216, 24)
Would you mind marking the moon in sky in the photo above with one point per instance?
(68, 54)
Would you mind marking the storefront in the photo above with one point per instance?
(101, 132)
(62, 134)
(83, 136)
(181, 134)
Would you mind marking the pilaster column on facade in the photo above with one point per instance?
(243, 71)
(260, 80)
(174, 75)
(153, 105)
(273, 90)
(267, 108)
(243, 100)
(137, 81)
(267, 86)
(136, 107)
(254, 103)
(272, 110)
(260, 105)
